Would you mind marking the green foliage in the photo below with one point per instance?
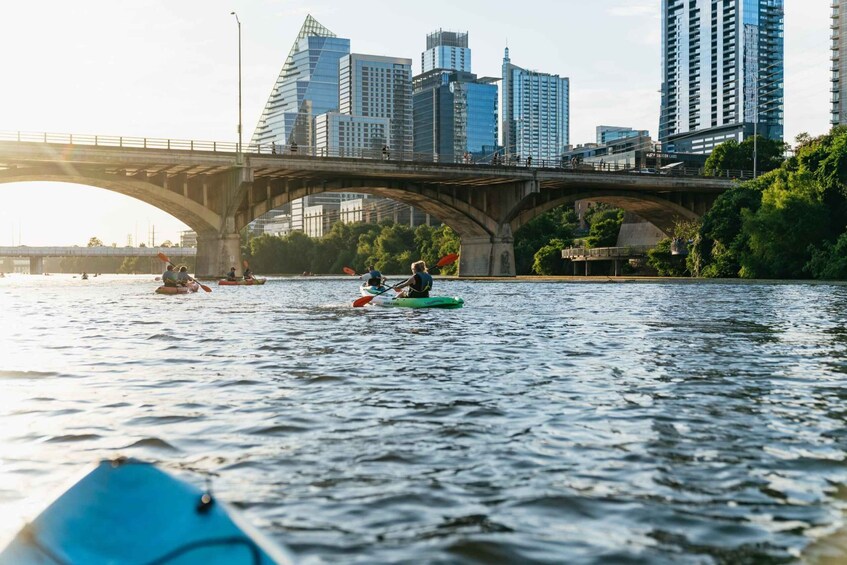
(548, 260)
(556, 225)
(829, 261)
(605, 227)
(666, 264)
(95, 242)
(733, 156)
(786, 224)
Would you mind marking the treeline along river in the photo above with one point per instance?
(543, 422)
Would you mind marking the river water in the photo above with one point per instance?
(545, 422)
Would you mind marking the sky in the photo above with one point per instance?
(169, 69)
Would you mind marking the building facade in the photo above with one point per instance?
(535, 113)
(723, 69)
(306, 86)
(343, 135)
(455, 116)
(372, 86)
(839, 62)
(455, 112)
(447, 50)
(607, 134)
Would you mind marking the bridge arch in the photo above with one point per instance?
(194, 215)
(662, 213)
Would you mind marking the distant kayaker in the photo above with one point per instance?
(169, 276)
(182, 277)
(248, 274)
(419, 284)
(84, 276)
(375, 278)
(231, 276)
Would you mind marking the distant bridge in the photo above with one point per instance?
(217, 191)
(37, 255)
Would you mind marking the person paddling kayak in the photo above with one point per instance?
(419, 284)
(182, 277)
(375, 278)
(231, 276)
(169, 276)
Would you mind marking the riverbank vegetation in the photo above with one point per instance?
(789, 223)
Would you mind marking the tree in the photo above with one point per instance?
(556, 224)
(548, 260)
(95, 242)
(733, 156)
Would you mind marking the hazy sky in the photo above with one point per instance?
(168, 69)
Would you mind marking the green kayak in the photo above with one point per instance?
(381, 297)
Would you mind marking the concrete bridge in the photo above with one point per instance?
(217, 191)
(37, 255)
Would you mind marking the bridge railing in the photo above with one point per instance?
(99, 251)
(492, 160)
(600, 253)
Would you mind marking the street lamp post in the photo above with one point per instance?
(239, 80)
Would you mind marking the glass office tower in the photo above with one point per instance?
(455, 112)
(536, 113)
(722, 65)
(306, 86)
(839, 62)
(446, 50)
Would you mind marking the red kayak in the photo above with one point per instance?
(224, 282)
(191, 287)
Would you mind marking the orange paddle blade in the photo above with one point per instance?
(362, 301)
(164, 257)
(447, 260)
(349, 271)
(245, 263)
(204, 287)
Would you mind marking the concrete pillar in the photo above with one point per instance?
(36, 265)
(217, 253)
(487, 256)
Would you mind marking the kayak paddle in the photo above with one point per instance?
(350, 272)
(164, 258)
(444, 261)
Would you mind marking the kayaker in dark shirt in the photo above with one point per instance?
(169, 276)
(231, 276)
(182, 278)
(375, 278)
(248, 274)
(419, 284)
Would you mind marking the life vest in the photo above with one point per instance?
(420, 288)
(374, 278)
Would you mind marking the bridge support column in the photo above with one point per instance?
(36, 265)
(488, 256)
(217, 253)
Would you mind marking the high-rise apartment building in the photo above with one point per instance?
(839, 62)
(446, 50)
(722, 65)
(379, 87)
(306, 86)
(536, 113)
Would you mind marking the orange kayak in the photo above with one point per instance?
(224, 282)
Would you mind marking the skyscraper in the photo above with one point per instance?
(839, 62)
(455, 112)
(722, 64)
(380, 87)
(536, 113)
(306, 86)
(446, 50)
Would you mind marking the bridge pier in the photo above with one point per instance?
(217, 253)
(488, 256)
(36, 265)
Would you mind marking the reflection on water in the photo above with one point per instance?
(543, 422)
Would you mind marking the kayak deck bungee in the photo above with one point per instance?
(189, 288)
(129, 511)
(251, 282)
(390, 300)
